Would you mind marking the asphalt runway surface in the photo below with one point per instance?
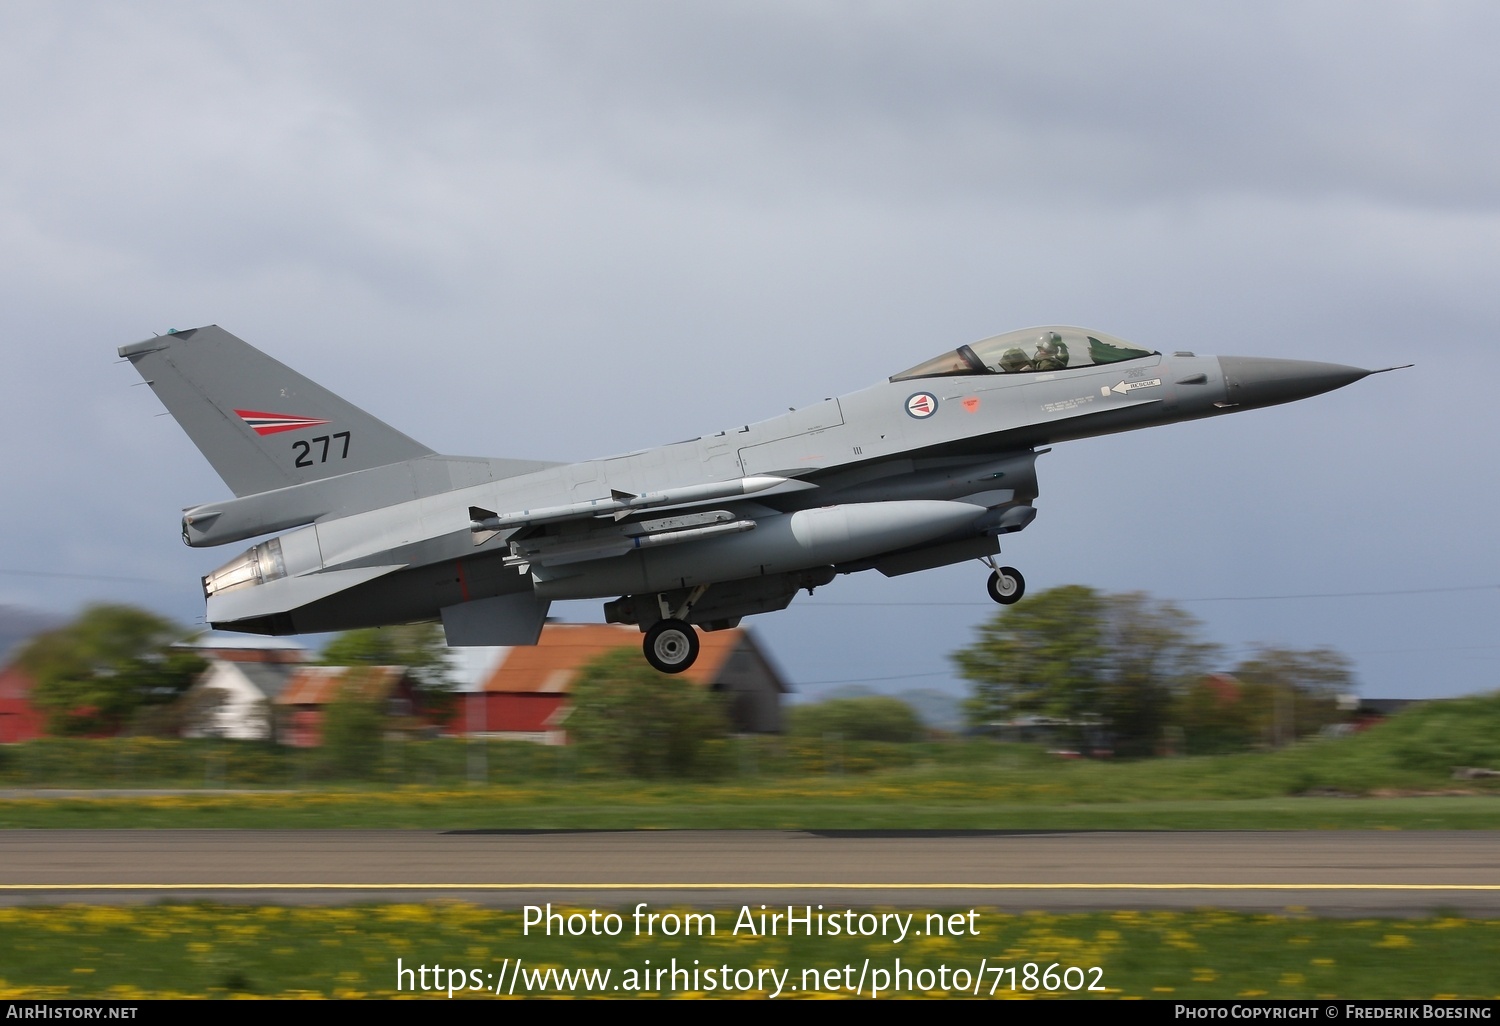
(1326, 872)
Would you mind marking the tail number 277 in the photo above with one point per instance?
(304, 449)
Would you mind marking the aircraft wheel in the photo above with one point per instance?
(671, 646)
(1006, 585)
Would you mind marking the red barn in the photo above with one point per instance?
(19, 719)
(525, 693)
(311, 689)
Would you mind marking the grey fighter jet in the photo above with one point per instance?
(929, 467)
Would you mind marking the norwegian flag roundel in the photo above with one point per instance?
(922, 405)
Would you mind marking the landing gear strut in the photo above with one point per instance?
(1006, 585)
(671, 646)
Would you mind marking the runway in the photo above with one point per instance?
(1327, 872)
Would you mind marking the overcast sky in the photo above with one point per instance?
(566, 230)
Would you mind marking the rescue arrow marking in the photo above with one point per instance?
(1130, 386)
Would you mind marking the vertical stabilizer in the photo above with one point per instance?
(258, 422)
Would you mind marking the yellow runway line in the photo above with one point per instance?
(552, 886)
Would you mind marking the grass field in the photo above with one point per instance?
(1395, 777)
(202, 950)
(1417, 750)
(869, 803)
(1390, 777)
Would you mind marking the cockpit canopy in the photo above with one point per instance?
(1030, 349)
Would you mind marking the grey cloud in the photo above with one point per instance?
(560, 230)
(299, 104)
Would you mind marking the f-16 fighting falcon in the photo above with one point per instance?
(929, 467)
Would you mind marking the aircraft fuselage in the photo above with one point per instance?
(928, 468)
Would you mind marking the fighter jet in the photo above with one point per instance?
(930, 467)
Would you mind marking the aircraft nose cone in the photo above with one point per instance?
(1259, 381)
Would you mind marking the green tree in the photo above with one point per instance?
(1294, 692)
(420, 647)
(1154, 655)
(108, 667)
(1045, 656)
(867, 718)
(1216, 715)
(636, 721)
(1091, 658)
(353, 728)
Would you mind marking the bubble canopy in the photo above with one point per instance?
(1027, 351)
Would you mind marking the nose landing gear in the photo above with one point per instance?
(1006, 585)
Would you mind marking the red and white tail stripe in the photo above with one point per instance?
(274, 423)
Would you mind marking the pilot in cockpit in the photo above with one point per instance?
(1051, 353)
(1013, 361)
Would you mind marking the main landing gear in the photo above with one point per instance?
(671, 646)
(1006, 585)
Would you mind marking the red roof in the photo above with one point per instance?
(320, 685)
(548, 667)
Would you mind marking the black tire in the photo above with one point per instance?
(1006, 585)
(671, 646)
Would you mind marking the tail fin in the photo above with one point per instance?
(260, 423)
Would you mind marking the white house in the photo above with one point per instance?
(232, 698)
